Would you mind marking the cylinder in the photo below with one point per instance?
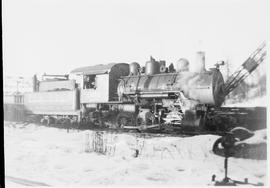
(182, 65)
(134, 69)
(199, 65)
(152, 67)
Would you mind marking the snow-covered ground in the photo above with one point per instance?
(56, 157)
(260, 101)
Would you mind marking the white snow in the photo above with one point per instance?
(259, 137)
(58, 158)
(262, 101)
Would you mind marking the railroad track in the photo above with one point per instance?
(149, 133)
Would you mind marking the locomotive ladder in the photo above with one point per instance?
(245, 69)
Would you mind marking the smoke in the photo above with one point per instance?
(188, 83)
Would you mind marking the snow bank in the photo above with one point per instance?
(58, 158)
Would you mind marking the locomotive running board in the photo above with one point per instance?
(141, 127)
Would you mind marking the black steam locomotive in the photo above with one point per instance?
(120, 95)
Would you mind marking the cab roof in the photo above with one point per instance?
(96, 69)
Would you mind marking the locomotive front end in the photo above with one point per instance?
(205, 87)
(179, 96)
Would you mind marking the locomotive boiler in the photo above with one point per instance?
(205, 87)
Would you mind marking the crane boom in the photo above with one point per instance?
(253, 61)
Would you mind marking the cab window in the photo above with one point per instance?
(89, 82)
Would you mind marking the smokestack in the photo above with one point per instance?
(199, 65)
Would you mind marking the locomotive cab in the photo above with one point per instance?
(99, 83)
(98, 89)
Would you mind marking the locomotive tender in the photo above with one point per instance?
(121, 95)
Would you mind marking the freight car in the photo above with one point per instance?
(124, 95)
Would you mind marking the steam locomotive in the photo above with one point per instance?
(120, 95)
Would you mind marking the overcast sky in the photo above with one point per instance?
(56, 36)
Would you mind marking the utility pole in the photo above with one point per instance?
(18, 81)
(17, 87)
(227, 72)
